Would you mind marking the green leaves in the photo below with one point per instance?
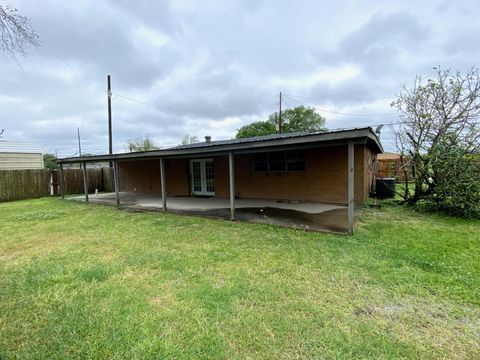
(142, 144)
(300, 118)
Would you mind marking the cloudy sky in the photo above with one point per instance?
(209, 67)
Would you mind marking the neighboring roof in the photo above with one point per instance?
(20, 147)
(388, 156)
(363, 135)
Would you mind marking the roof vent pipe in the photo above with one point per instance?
(208, 139)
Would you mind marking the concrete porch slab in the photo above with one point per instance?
(304, 215)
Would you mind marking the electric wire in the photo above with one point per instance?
(342, 113)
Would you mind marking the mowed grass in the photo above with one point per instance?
(85, 281)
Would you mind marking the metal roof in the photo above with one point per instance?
(20, 147)
(244, 140)
(252, 144)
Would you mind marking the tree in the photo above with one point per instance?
(49, 161)
(257, 128)
(187, 139)
(440, 122)
(300, 118)
(16, 32)
(457, 183)
(142, 144)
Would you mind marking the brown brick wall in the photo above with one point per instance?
(325, 177)
(140, 175)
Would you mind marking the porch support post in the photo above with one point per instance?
(62, 184)
(163, 184)
(351, 186)
(115, 179)
(231, 167)
(85, 179)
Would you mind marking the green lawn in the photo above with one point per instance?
(84, 281)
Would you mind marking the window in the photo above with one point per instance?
(276, 161)
(279, 161)
(261, 162)
(295, 161)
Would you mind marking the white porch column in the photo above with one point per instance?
(85, 179)
(351, 186)
(231, 172)
(116, 182)
(163, 184)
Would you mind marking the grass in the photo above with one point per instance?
(84, 281)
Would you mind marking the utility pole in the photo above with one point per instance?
(280, 115)
(109, 94)
(110, 147)
(79, 145)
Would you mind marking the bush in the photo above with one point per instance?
(456, 177)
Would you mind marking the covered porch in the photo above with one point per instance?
(310, 181)
(316, 216)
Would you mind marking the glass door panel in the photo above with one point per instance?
(202, 177)
(209, 177)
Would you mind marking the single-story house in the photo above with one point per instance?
(335, 167)
(15, 155)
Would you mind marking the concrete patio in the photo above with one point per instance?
(305, 215)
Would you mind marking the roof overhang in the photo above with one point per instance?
(333, 138)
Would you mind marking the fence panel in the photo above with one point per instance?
(29, 184)
(107, 179)
(388, 168)
(24, 184)
(73, 180)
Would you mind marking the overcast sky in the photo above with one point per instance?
(209, 67)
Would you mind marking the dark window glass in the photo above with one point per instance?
(277, 161)
(295, 161)
(260, 162)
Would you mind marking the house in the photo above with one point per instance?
(335, 167)
(16, 155)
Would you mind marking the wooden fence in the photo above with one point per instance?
(29, 184)
(24, 184)
(73, 180)
(394, 168)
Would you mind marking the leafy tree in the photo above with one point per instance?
(440, 130)
(16, 32)
(142, 144)
(457, 182)
(49, 161)
(300, 118)
(187, 139)
(257, 128)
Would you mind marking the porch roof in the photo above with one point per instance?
(248, 145)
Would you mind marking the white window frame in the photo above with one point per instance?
(203, 177)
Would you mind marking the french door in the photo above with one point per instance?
(202, 177)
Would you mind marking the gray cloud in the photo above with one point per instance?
(214, 66)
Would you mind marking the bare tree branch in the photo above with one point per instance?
(16, 32)
(440, 116)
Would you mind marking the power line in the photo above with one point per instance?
(136, 100)
(370, 125)
(339, 98)
(341, 113)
